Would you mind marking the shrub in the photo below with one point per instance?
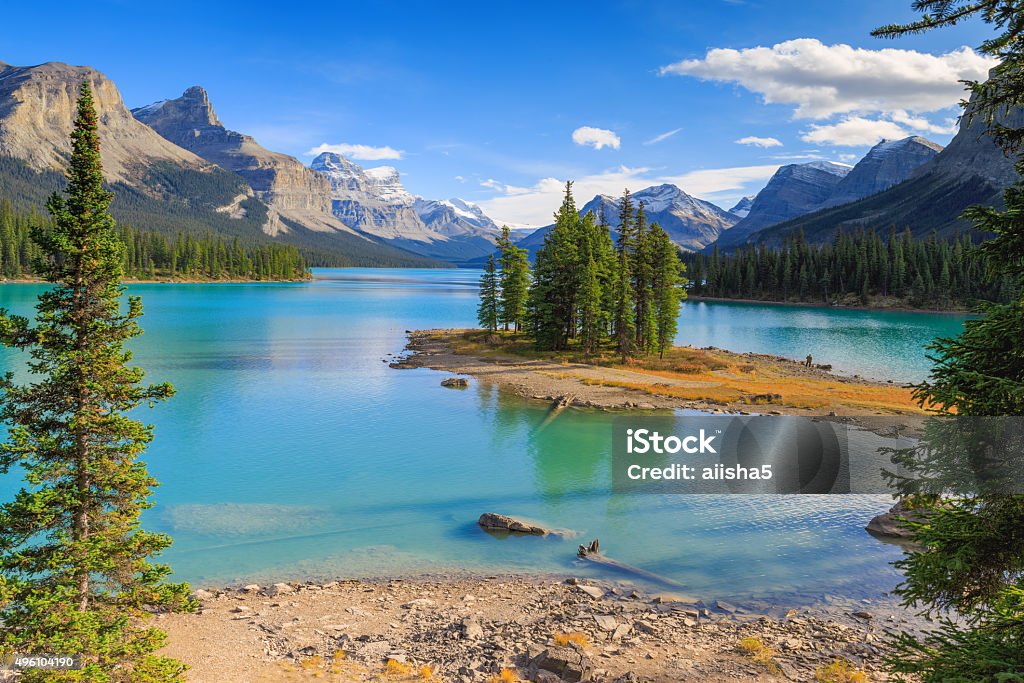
(840, 671)
(563, 639)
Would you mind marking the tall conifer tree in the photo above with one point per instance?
(623, 315)
(490, 294)
(75, 569)
(970, 554)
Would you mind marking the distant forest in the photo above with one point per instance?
(153, 255)
(855, 268)
(159, 208)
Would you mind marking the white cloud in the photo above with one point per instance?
(854, 131)
(824, 80)
(708, 182)
(596, 137)
(763, 143)
(501, 187)
(460, 178)
(664, 136)
(535, 206)
(361, 152)
(923, 125)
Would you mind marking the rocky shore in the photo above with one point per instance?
(508, 628)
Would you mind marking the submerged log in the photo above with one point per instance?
(592, 553)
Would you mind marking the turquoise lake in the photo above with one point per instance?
(291, 450)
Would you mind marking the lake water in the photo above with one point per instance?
(291, 450)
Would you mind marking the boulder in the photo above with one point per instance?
(890, 524)
(493, 521)
(455, 382)
(279, 589)
(570, 663)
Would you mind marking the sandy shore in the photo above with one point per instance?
(733, 382)
(470, 629)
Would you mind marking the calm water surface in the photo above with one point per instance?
(292, 450)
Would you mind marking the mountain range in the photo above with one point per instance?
(971, 170)
(690, 222)
(173, 166)
(375, 202)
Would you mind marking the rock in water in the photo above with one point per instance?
(496, 522)
(455, 382)
(890, 524)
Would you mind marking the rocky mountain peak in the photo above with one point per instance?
(742, 207)
(293, 192)
(888, 163)
(37, 112)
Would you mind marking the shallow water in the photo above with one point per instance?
(292, 450)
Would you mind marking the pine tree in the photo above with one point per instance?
(643, 267)
(667, 283)
(515, 281)
(75, 570)
(589, 299)
(971, 552)
(552, 300)
(487, 311)
(623, 314)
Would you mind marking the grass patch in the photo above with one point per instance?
(563, 639)
(710, 375)
(504, 676)
(840, 671)
(759, 652)
(396, 669)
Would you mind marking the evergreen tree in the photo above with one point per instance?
(515, 281)
(971, 550)
(75, 570)
(490, 294)
(667, 283)
(623, 313)
(643, 273)
(552, 303)
(590, 299)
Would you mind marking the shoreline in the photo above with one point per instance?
(468, 627)
(831, 307)
(797, 390)
(168, 281)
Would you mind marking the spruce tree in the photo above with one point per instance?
(970, 555)
(643, 273)
(623, 314)
(667, 283)
(487, 311)
(75, 569)
(553, 294)
(589, 299)
(515, 281)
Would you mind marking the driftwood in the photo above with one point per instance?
(592, 553)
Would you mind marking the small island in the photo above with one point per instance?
(710, 379)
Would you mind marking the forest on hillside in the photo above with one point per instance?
(151, 255)
(854, 268)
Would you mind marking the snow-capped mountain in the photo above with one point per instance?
(802, 189)
(691, 223)
(742, 207)
(794, 190)
(455, 217)
(374, 201)
(888, 163)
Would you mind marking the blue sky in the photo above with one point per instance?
(500, 103)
